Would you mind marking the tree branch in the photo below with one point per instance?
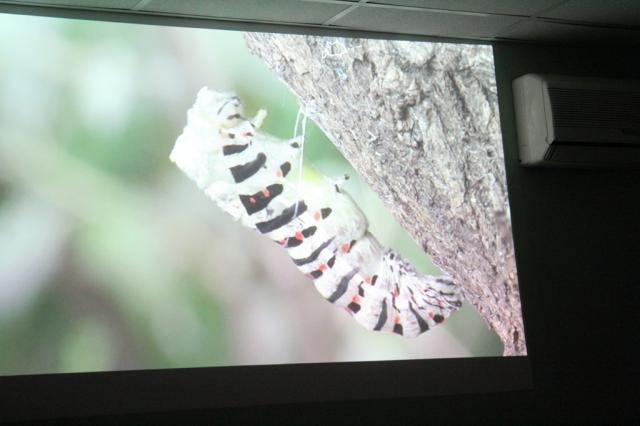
(419, 122)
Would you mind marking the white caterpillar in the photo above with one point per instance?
(245, 172)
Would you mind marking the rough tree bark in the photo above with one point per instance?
(419, 122)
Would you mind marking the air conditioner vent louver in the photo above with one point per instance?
(577, 121)
(594, 108)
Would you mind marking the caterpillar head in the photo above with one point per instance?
(222, 109)
(198, 148)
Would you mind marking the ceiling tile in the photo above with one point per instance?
(293, 11)
(424, 22)
(103, 4)
(536, 30)
(510, 7)
(621, 12)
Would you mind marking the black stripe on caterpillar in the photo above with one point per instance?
(245, 171)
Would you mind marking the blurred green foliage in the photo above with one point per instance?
(110, 259)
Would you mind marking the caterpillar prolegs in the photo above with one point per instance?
(248, 174)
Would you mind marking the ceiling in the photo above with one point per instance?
(584, 22)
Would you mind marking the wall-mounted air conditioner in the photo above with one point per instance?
(576, 121)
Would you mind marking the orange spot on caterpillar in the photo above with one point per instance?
(367, 280)
(322, 267)
(398, 320)
(356, 299)
(299, 236)
(252, 200)
(266, 193)
(279, 173)
(345, 247)
(282, 242)
(245, 134)
(317, 216)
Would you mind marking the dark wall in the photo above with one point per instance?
(577, 237)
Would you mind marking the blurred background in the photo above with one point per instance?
(111, 259)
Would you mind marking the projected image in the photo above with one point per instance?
(174, 197)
